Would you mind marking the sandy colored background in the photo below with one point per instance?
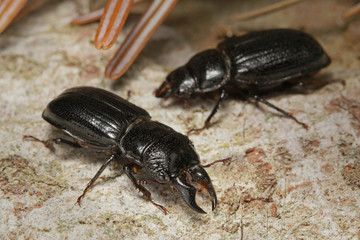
(283, 182)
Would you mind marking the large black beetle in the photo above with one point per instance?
(249, 65)
(100, 120)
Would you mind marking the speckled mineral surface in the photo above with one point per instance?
(283, 182)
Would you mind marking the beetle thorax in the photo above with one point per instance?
(181, 82)
(170, 156)
(210, 69)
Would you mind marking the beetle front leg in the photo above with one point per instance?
(287, 114)
(225, 160)
(92, 181)
(222, 96)
(50, 142)
(130, 169)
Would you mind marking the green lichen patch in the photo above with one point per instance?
(348, 147)
(351, 106)
(24, 186)
(351, 174)
(20, 65)
(119, 225)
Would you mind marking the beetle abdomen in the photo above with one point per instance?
(265, 59)
(94, 116)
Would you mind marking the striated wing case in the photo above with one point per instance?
(267, 58)
(93, 116)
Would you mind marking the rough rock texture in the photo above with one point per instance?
(284, 182)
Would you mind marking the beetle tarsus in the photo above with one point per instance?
(197, 130)
(78, 201)
(129, 170)
(147, 181)
(50, 142)
(225, 160)
(162, 208)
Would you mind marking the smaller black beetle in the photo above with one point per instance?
(249, 65)
(100, 120)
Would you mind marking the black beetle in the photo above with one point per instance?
(249, 65)
(103, 121)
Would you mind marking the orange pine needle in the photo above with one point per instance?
(8, 11)
(138, 37)
(111, 23)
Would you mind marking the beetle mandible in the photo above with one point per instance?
(100, 120)
(249, 65)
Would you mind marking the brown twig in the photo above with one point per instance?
(351, 11)
(265, 10)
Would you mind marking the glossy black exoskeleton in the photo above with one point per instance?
(100, 120)
(249, 65)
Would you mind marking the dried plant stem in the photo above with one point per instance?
(267, 9)
(352, 11)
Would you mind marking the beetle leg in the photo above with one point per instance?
(92, 181)
(129, 170)
(138, 37)
(146, 181)
(222, 96)
(50, 142)
(225, 160)
(287, 114)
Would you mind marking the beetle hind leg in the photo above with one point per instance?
(50, 142)
(130, 169)
(286, 114)
(222, 96)
(92, 181)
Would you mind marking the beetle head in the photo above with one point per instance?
(173, 159)
(184, 168)
(178, 83)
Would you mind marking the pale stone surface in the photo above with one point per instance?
(284, 182)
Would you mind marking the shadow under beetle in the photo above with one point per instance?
(248, 65)
(100, 120)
